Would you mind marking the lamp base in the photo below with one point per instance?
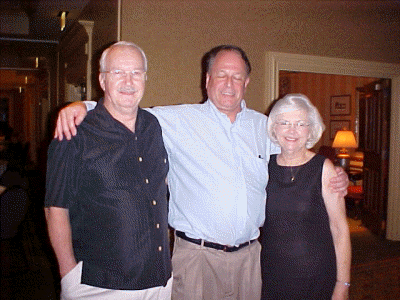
(343, 160)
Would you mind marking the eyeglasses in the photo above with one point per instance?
(297, 125)
(119, 74)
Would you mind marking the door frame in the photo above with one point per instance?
(278, 61)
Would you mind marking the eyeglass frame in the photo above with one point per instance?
(300, 125)
(124, 74)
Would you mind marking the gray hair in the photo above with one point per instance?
(293, 102)
(105, 53)
(212, 55)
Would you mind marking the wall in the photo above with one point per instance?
(176, 34)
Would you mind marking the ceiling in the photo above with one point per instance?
(30, 30)
(40, 16)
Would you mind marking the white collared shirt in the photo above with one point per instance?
(218, 171)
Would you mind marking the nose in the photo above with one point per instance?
(229, 81)
(292, 127)
(128, 78)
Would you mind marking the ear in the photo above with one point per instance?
(311, 132)
(246, 82)
(102, 80)
(310, 136)
(207, 79)
(273, 132)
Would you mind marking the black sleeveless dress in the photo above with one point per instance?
(298, 257)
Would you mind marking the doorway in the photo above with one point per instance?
(28, 105)
(276, 62)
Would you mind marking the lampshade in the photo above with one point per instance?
(344, 139)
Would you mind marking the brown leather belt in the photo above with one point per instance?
(224, 248)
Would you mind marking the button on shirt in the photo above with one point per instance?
(112, 181)
(218, 171)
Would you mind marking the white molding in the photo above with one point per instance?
(393, 211)
(88, 25)
(277, 61)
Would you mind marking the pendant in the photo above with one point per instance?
(292, 179)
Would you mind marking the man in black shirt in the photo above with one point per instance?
(106, 204)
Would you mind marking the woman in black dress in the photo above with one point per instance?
(306, 252)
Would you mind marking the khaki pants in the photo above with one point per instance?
(71, 288)
(205, 274)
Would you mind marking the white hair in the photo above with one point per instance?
(105, 53)
(293, 102)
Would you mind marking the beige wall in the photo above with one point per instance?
(176, 34)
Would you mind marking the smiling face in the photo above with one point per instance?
(123, 93)
(226, 82)
(293, 137)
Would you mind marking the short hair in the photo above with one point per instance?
(212, 54)
(293, 102)
(105, 53)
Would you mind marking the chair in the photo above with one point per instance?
(355, 193)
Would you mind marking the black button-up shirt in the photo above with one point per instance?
(113, 183)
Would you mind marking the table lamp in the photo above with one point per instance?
(344, 139)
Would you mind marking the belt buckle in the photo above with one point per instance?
(225, 249)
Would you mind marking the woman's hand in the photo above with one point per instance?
(341, 291)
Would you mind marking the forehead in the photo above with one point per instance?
(229, 60)
(124, 57)
(294, 114)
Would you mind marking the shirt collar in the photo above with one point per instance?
(111, 124)
(223, 116)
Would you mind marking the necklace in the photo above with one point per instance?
(292, 173)
(293, 177)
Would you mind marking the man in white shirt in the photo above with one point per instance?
(218, 153)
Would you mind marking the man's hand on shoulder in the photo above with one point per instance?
(68, 118)
(339, 183)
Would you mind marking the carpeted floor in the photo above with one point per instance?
(375, 268)
(376, 280)
(375, 272)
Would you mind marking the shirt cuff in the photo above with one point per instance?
(90, 104)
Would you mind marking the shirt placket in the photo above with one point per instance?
(152, 202)
(241, 199)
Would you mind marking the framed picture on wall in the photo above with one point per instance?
(340, 105)
(337, 125)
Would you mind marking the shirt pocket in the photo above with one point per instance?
(256, 171)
